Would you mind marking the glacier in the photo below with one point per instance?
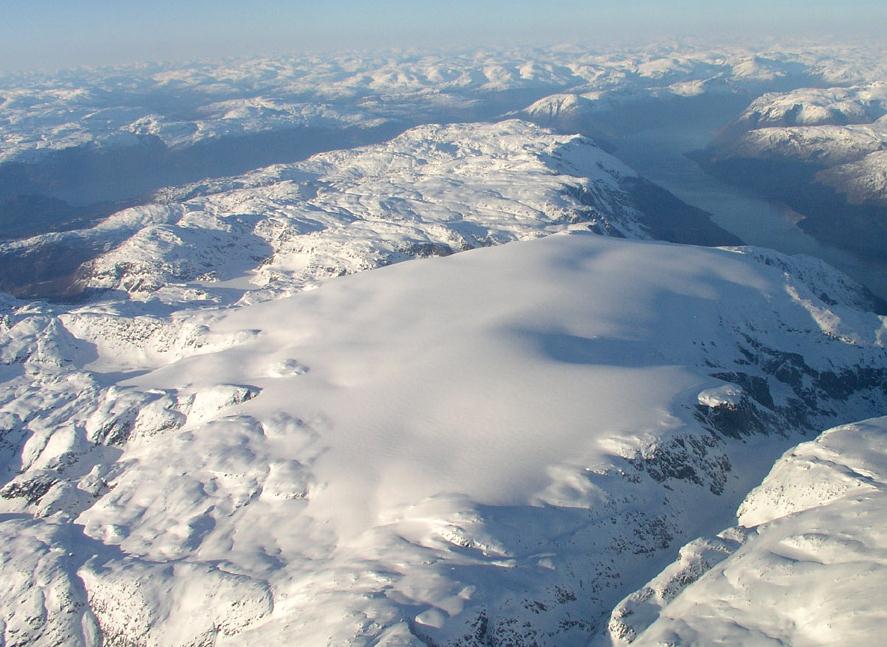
(488, 447)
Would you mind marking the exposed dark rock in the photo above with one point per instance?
(754, 385)
(691, 458)
(736, 420)
(31, 489)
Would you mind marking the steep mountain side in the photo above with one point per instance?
(831, 174)
(824, 146)
(820, 151)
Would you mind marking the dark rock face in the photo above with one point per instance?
(736, 421)
(32, 489)
(696, 459)
(754, 385)
(12, 438)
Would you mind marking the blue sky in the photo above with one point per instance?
(59, 33)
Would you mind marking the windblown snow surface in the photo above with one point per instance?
(492, 448)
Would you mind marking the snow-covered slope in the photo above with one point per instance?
(862, 180)
(826, 145)
(489, 448)
(841, 132)
(817, 107)
(806, 565)
(431, 191)
(224, 443)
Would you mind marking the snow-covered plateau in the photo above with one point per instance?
(489, 448)
(431, 191)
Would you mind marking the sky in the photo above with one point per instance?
(51, 34)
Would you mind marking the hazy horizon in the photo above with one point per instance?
(44, 34)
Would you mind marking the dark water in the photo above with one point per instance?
(658, 153)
